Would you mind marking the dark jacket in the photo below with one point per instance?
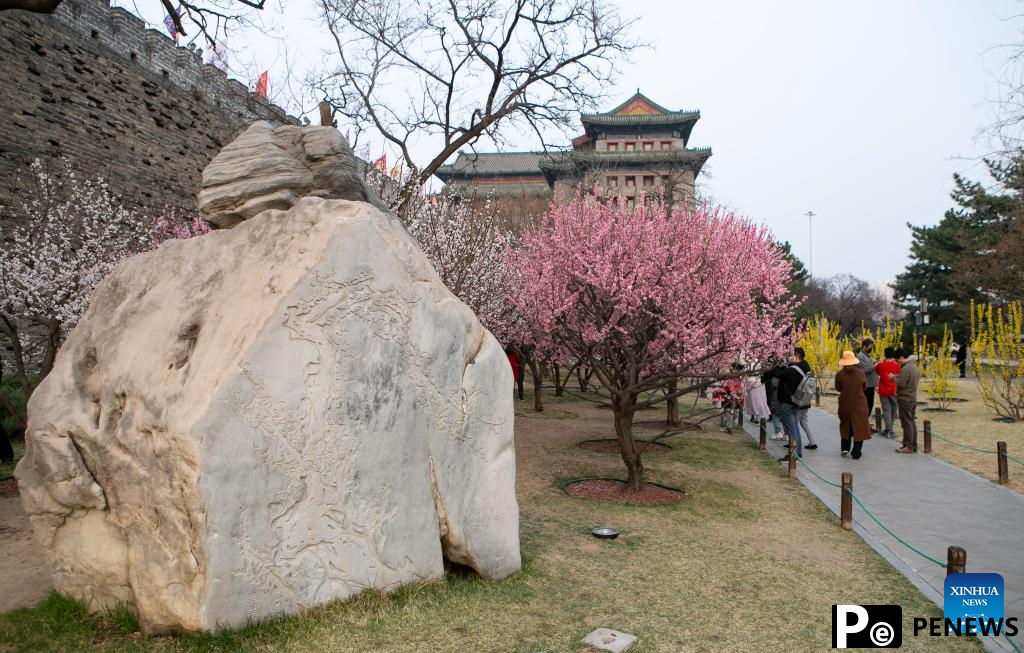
(789, 378)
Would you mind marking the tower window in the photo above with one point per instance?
(648, 147)
(630, 147)
(666, 145)
(613, 147)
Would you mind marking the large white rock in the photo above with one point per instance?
(270, 417)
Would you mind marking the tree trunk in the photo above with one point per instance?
(672, 410)
(10, 329)
(558, 380)
(583, 376)
(627, 446)
(520, 382)
(52, 345)
(538, 405)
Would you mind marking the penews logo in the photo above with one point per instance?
(867, 626)
(975, 599)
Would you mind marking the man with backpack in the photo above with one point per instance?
(796, 392)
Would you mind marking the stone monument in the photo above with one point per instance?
(275, 415)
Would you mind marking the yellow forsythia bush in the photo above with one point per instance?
(998, 357)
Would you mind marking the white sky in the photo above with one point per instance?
(859, 111)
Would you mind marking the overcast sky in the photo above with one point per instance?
(860, 112)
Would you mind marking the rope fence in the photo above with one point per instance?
(967, 446)
(956, 556)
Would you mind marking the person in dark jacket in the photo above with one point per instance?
(789, 378)
(853, 405)
(961, 357)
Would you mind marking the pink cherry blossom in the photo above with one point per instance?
(649, 295)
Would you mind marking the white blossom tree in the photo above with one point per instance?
(67, 235)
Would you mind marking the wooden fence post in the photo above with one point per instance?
(956, 560)
(792, 457)
(762, 434)
(326, 114)
(1004, 472)
(846, 501)
(927, 436)
(878, 420)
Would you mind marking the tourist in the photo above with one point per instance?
(867, 365)
(796, 392)
(853, 405)
(906, 399)
(886, 369)
(755, 398)
(770, 380)
(961, 357)
(802, 418)
(513, 360)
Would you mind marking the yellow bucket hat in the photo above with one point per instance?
(848, 359)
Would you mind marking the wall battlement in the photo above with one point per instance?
(92, 84)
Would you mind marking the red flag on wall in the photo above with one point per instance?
(381, 164)
(261, 86)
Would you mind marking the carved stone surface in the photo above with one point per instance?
(270, 417)
(270, 167)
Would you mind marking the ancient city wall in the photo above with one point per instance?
(92, 84)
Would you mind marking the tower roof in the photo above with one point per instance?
(640, 110)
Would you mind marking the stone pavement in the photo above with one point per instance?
(927, 502)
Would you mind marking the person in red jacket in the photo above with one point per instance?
(513, 360)
(888, 368)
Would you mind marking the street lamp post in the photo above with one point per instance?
(810, 244)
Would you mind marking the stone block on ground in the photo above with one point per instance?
(605, 639)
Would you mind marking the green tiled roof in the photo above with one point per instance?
(494, 163)
(570, 161)
(672, 118)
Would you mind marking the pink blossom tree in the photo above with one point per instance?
(648, 296)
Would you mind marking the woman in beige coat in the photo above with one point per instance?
(853, 405)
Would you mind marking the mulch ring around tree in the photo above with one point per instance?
(610, 489)
(936, 409)
(611, 445)
(8, 488)
(659, 425)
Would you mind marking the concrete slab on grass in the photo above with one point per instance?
(610, 640)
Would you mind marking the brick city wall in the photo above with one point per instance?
(92, 84)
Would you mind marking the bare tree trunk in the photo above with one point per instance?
(558, 380)
(672, 404)
(520, 382)
(535, 371)
(52, 345)
(10, 329)
(583, 376)
(627, 446)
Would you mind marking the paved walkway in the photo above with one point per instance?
(927, 502)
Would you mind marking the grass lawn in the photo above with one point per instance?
(749, 561)
(970, 423)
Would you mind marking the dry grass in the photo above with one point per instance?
(748, 562)
(971, 423)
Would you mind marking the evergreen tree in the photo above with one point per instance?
(973, 253)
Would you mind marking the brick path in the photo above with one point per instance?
(927, 502)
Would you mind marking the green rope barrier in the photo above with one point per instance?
(871, 515)
(816, 474)
(897, 537)
(966, 446)
(1012, 643)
